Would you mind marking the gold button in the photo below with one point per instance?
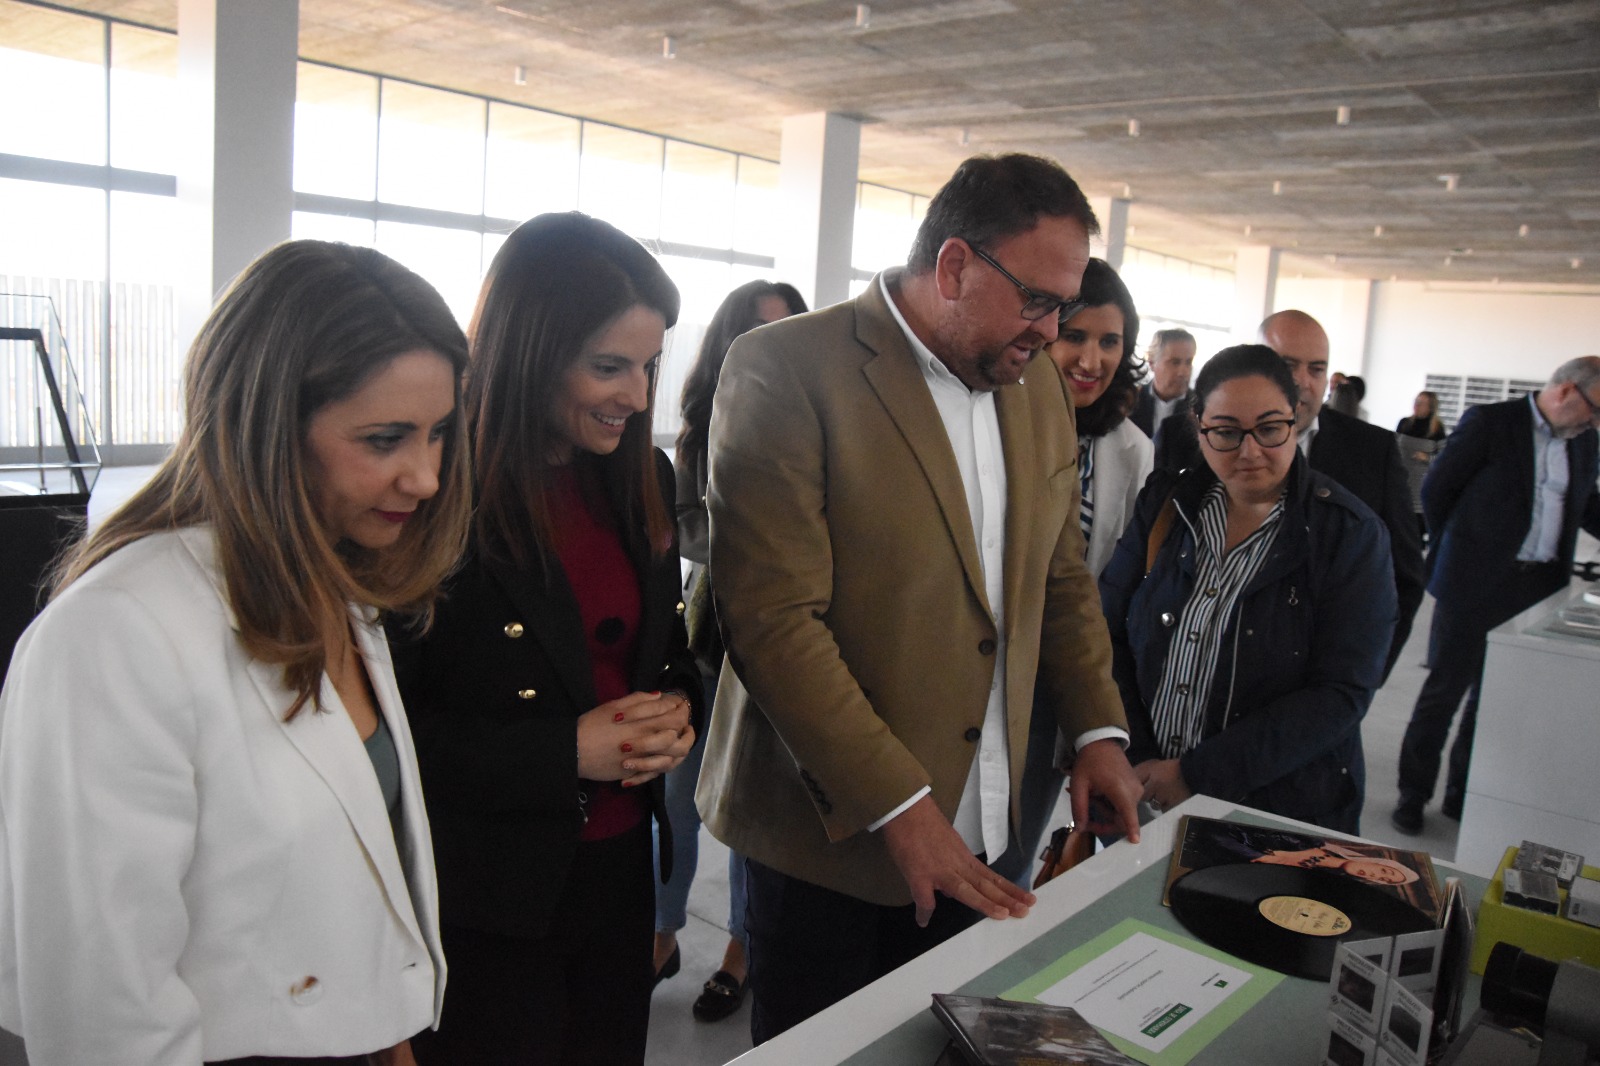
(680, 606)
(514, 630)
(526, 693)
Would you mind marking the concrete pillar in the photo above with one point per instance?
(236, 77)
(1114, 231)
(1255, 279)
(818, 163)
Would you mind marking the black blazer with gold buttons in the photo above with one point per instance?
(494, 691)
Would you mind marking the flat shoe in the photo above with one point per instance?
(720, 997)
(670, 967)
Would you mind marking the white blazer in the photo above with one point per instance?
(184, 876)
(1123, 459)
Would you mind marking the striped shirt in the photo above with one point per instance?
(1178, 713)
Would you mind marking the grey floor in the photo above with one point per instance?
(677, 1039)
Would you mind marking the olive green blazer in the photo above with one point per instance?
(851, 594)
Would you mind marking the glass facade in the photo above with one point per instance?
(87, 197)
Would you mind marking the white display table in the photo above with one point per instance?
(1535, 772)
(1285, 1028)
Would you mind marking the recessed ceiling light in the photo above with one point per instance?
(1133, 127)
(1342, 116)
(1277, 188)
(519, 76)
(1522, 230)
(1247, 229)
(863, 16)
(1127, 191)
(1377, 231)
(1449, 259)
(1576, 262)
(1450, 181)
(668, 49)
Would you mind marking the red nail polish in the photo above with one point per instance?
(627, 747)
(619, 716)
(627, 784)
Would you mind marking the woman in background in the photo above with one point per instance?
(1250, 603)
(555, 687)
(1427, 438)
(1095, 351)
(752, 304)
(212, 840)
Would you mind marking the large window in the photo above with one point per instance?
(435, 178)
(1171, 292)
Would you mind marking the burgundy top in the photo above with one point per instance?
(607, 590)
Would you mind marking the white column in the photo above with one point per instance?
(818, 164)
(1255, 279)
(236, 78)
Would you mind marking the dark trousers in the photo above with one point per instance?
(1456, 648)
(580, 994)
(269, 1060)
(810, 947)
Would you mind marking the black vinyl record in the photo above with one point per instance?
(1285, 918)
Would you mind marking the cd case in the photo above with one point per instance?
(1206, 842)
(1003, 1032)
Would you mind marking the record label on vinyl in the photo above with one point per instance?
(1289, 919)
(1298, 914)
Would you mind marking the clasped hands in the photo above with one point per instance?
(635, 738)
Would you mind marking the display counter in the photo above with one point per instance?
(1535, 772)
(888, 1022)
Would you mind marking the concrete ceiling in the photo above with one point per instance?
(1235, 100)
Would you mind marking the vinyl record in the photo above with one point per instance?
(1285, 918)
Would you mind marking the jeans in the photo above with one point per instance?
(672, 898)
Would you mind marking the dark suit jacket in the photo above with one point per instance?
(1365, 459)
(1143, 414)
(1478, 500)
(494, 691)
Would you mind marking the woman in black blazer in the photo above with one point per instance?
(552, 692)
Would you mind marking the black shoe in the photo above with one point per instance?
(671, 966)
(1451, 808)
(1407, 817)
(720, 997)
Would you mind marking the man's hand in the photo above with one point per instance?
(931, 856)
(1164, 786)
(1102, 770)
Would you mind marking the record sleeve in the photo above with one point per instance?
(1408, 876)
(1288, 919)
(1004, 1032)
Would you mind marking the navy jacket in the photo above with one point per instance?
(1364, 460)
(494, 691)
(1478, 500)
(1301, 655)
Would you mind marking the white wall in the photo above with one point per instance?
(1417, 328)
(1343, 306)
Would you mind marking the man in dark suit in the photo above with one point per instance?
(1171, 359)
(1361, 457)
(1504, 500)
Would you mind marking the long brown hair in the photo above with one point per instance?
(739, 313)
(305, 325)
(558, 280)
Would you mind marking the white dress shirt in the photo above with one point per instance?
(1550, 478)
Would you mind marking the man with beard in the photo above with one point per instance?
(1504, 501)
(896, 555)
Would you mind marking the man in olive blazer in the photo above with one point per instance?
(855, 599)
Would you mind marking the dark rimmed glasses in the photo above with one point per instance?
(1231, 438)
(1038, 304)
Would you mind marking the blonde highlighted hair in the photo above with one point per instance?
(305, 325)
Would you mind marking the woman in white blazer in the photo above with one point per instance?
(212, 841)
(1095, 351)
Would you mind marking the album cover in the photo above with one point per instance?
(1003, 1032)
(1206, 842)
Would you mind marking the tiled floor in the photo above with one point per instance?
(677, 1039)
